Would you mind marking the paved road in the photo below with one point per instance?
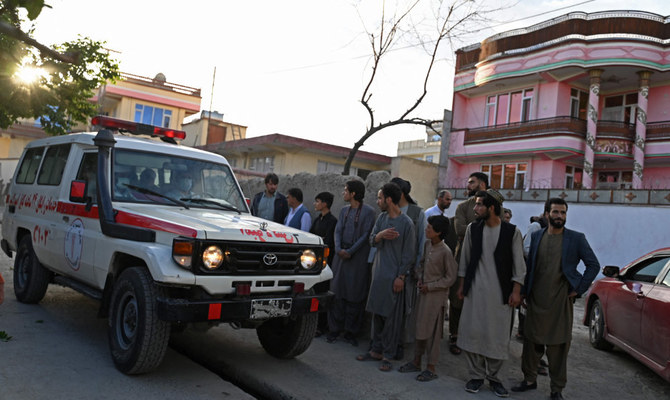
(59, 350)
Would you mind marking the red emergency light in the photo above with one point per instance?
(137, 128)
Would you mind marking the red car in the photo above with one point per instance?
(630, 308)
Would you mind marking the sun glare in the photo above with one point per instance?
(30, 74)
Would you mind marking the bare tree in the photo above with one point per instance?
(451, 20)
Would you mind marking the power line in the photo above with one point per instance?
(427, 42)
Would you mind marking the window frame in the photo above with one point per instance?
(519, 174)
(32, 165)
(53, 165)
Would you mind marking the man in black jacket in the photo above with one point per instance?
(270, 204)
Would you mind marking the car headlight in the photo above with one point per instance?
(212, 257)
(308, 259)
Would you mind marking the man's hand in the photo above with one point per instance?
(398, 285)
(459, 292)
(422, 288)
(514, 299)
(344, 255)
(572, 295)
(388, 234)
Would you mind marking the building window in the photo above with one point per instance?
(506, 176)
(615, 180)
(507, 108)
(579, 101)
(152, 115)
(573, 177)
(621, 108)
(262, 164)
(323, 167)
(429, 158)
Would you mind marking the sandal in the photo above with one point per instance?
(453, 348)
(367, 357)
(386, 366)
(409, 367)
(426, 376)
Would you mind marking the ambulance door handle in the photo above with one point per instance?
(66, 218)
(11, 209)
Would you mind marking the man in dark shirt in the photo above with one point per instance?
(270, 204)
(324, 225)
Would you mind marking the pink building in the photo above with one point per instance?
(581, 101)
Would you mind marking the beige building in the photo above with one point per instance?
(133, 98)
(149, 101)
(428, 149)
(209, 127)
(284, 154)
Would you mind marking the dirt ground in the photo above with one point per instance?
(592, 374)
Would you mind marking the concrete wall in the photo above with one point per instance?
(618, 234)
(311, 185)
(421, 174)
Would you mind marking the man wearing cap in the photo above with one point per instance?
(465, 214)
(490, 274)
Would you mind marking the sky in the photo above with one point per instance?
(295, 67)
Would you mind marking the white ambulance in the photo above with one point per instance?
(161, 234)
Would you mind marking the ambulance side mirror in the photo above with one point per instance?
(78, 191)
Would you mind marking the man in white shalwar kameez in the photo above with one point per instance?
(491, 272)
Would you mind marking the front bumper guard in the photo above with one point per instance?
(233, 310)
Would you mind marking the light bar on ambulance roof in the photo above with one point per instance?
(137, 128)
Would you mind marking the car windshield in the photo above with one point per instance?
(145, 177)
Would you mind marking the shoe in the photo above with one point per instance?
(351, 339)
(498, 389)
(453, 348)
(542, 371)
(426, 376)
(474, 385)
(331, 337)
(523, 386)
(556, 396)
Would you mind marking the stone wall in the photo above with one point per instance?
(311, 185)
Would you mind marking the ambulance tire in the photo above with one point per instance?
(31, 279)
(138, 339)
(287, 337)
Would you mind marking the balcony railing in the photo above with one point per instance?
(658, 131)
(563, 126)
(528, 129)
(615, 130)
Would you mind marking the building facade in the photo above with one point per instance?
(288, 155)
(209, 127)
(581, 101)
(426, 149)
(152, 101)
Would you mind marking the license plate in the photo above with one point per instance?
(270, 308)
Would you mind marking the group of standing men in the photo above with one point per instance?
(495, 277)
(382, 265)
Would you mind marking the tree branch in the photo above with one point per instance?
(16, 33)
